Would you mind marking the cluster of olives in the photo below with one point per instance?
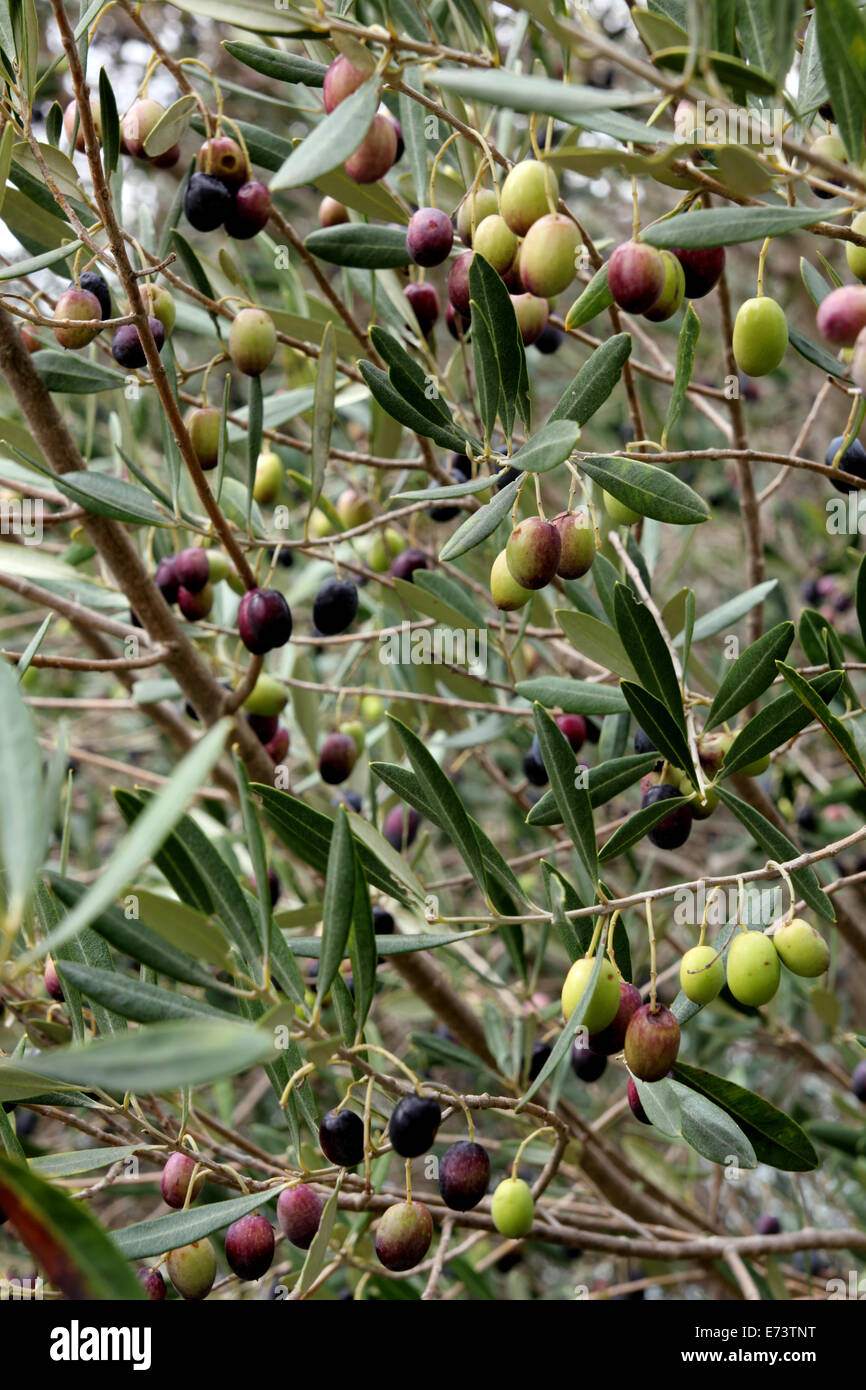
(754, 963)
(644, 280)
(222, 193)
(674, 829)
(616, 1020)
(382, 146)
(84, 305)
(536, 552)
(188, 579)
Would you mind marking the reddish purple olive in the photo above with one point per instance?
(278, 746)
(71, 120)
(464, 1175)
(577, 543)
(413, 1125)
(264, 620)
(400, 826)
(153, 1284)
(375, 154)
(341, 1138)
(192, 569)
(858, 1080)
(166, 579)
(250, 211)
(176, 1177)
(195, 607)
(127, 348)
(842, 315)
(52, 981)
(652, 1041)
(701, 267)
(250, 1246)
(458, 284)
(574, 728)
(635, 1104)
(84, 308)
(264, 726)
(299, 1213)
(532, 553)
(456, 323)
(424, 302)
(222, 158)
(635, 276)
(341, 80)
(406, 563)
(768, 1225)
(429, 236)
(337, 757)
(612, 1038)
(403, 1235)
(252, 341)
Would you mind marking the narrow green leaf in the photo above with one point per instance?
(776, 1139)
(481, 524)
(821, 711)
(648, 651)
(333, 140)
(664, 730)
(647, 489)
(444, 799)
(338, 903)
(750, 675)
(592, 301)
(775, 724)
(594, 382)
(571, 795)
(688, 342)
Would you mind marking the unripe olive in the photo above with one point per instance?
(652, 1041)
(577, 543)
(635, 276)
(252, 341)
(831, 147)
(375, 154)
(192, 1269)
(267, 697)
(841, 315)
(321, 524)
(384, 548)
(753, 968)
(160, 305)
(547, 256)
(532, 553)
(673, 291)
(269, 478)
(513, 1208)
(856, 255)
(355, 730)
(603, 1005)
(760, 336)
(475, 207)
(530, 190)
(618, 511)
(701, 810)
(702, 974)
(802, 949)
(353, 509)
(204, 426)
(495, 241)
(532, 313)
(506, 593)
